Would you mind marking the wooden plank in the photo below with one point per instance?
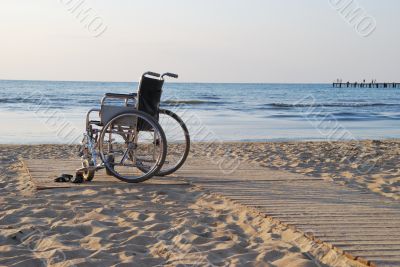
(375, 239)
(325, 235)
(349, 230)
(342, 224)
(382, 253)
(327, 216)
(366, 248)
(370, 243)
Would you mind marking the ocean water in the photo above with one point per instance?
(54, 112)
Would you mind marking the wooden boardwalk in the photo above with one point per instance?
(43, 172)
(361, 225)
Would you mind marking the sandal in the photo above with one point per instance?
(64, 178)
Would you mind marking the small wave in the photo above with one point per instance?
(284, 116)
(298, 105)
(33, 99)
(211, 97)
(19, 100)
(188, 102)
(89, 101)
(352, 114)
(337, 116)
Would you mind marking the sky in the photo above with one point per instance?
(256, 41)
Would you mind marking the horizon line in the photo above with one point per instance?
(170, 81)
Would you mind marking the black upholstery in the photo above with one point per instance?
(149, 93)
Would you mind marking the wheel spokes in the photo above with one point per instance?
(135, 153)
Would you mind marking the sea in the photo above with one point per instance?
(54, 112)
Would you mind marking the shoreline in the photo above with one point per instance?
(240, 141)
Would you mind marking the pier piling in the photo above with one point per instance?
(365, 85)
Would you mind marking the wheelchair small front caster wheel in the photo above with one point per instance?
(88, 174)
(110, 159)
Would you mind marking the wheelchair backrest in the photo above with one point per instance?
(149, 97)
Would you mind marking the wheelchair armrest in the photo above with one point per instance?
(125, 97)
(88, 116)
(122, 96)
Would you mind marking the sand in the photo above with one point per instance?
(128, 226)
(150, 225)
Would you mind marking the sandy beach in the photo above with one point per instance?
(150, 225)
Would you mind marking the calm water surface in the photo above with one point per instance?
(54, 112)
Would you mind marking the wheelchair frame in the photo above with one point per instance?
(90, 141)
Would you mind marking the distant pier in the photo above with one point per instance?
(365, 85)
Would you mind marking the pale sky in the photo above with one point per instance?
(203, 41)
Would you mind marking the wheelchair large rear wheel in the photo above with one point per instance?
(136, 144)
(178, 141)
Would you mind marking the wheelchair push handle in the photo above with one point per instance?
(169, 74)
(150, 73)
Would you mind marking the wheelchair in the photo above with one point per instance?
(134, 139)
